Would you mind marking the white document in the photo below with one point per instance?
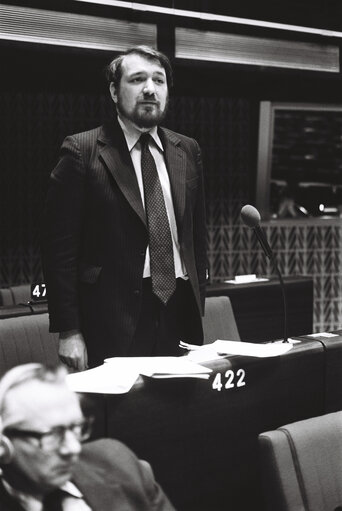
(220, 348)
(160, 366)
(118, 374)
(104, 379)
(251, 349)
(164, 376)
(246, 279)
(323, 334)
(206, 353)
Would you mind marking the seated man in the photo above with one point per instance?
(45, 467)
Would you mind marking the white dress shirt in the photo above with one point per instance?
(73, 500)
(132, 135)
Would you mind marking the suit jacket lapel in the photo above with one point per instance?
(175, 159)
(115, 154)
(8, 503)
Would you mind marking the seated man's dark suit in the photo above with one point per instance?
(110, 478)
(96, 238)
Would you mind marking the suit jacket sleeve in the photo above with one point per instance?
(62, 236)
(156, 496)
(108, 471)
(200, 230)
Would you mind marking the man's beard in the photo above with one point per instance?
(143, 116)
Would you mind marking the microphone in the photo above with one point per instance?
(251, 217)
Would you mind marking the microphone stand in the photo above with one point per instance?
(269, 253)
(251, 217)
(275, 266)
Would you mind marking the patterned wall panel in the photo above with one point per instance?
(313, 248)
(33, 127)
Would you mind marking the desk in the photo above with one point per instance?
(23, 309)
(202, 442)
(258, 307)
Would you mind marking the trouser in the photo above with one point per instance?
(160, 327)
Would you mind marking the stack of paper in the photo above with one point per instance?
(221, 348)
(246, 279)
(251, 349)
(117, 375)
(103, 379)
(323, 334)
(162, 367)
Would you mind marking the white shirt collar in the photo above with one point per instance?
(32, 503)
(132, 133)
(70, 488)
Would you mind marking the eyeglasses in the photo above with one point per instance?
(53, 438)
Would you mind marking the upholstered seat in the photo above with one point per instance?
(26, 339)
(219, 321)
(6, 297)
(21, 293)
(15, 294)
(302, 465)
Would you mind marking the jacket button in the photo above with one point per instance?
(136, 292)
(142, 253)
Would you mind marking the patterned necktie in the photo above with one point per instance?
(160, 241)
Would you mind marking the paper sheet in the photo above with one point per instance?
(166, 376)
(157, 366)
(251, 349)
(104, 379)
(323, 334)
(246, 279)
(245, 282)
(207, 352)
(118, 374)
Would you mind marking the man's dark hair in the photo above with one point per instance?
(114, 68)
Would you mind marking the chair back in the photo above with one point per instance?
(302, 465)
(6, 297)
(219, 321)
(21, 293)
(27, 339)
(15, 294)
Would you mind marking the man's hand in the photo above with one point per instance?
(72, 350)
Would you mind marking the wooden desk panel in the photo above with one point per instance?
(201, 442)
(258, 307)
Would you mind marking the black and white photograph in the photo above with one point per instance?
(171, 255)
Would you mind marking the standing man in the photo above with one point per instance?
(44, 466)
(124, 245)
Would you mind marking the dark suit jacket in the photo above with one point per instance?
(111, 478)
(96, 236)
